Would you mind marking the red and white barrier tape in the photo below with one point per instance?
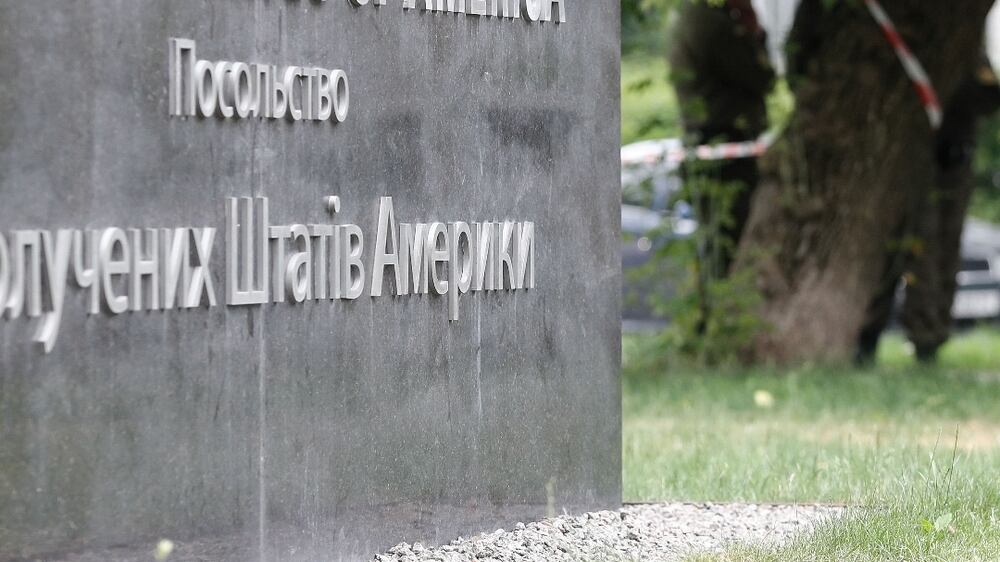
(915, 70)
(732, 150)
(671, 152)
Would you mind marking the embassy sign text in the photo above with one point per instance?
(226, 89)
(164, 269)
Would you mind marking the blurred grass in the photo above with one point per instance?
(915, 450)
(812, 434)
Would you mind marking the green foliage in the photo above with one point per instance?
(780, 105)
(714, 316)
(986, 198)
(644, 25)
(649, 105)
(713, 321)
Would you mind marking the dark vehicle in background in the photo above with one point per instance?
(650, 221)
(646, 280)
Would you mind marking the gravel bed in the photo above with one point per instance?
(663, 532)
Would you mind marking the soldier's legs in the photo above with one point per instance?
(879, 310)
(931, 293)
(952, 226)
(895, 262)
(921, 315)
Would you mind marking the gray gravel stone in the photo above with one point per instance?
(664, 532)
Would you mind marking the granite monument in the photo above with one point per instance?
(298, 280)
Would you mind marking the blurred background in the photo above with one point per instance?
(692, 76)
(811, 249)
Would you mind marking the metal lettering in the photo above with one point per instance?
(278, 235)
(460, 267)
(145, 264)
(341, 95)
(494, 257)
(176, 264)
(247, 235)
(201, 288)
(4, 273)
(152, 269)
(238, 89)
(547, 13)
(291, 80)
(504, 264)
(411, 4)
(309, 95)
(279, 96)
(85, 252)
(324, 96)
(524, 256)
(532, 9)
(337, 291)
(353, 282)
(112, 267)
(221, 73)
(25, 284)
(262, 90)
(438, 254)
(386, 258)
(298, 273)
(482, 279)
(477, 7)
(208, 95)
(56, 269)
(511, 9)
(321, 234)
(411, 258)
(182, 56)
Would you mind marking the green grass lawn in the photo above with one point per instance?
(917, 449)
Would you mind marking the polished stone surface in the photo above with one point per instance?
(333, 428)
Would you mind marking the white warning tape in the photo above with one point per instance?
(670, 151)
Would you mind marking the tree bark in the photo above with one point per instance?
(857, 160)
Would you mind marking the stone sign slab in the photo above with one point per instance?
(298, 280)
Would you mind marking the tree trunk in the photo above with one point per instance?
(856, 161)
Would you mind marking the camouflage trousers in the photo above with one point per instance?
(928, 259)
